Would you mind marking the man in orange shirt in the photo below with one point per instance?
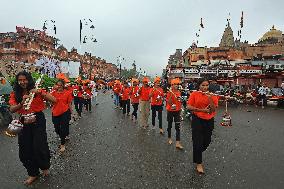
(134, 96)
(157, 95)
(203, 105)
(144, 93)
(173, 107)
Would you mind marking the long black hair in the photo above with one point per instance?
(18, 89)
(199, 81)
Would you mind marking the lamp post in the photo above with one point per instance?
(119, 63)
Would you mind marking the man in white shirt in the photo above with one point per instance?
(263, 91)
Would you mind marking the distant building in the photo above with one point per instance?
(28, 45)
(228, 37)
(176, 59)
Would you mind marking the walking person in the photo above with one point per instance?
(78, 98)
(125, 98)
(144, 93)
(263, 91)
(33, 147)
(134, 96)
(203, 105)
(116, 90)
(88, 97)
(61, 112)
(94, 96)
(173, 106)
(157, 95)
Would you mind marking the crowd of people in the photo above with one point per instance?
(33, 146)
(201, 103)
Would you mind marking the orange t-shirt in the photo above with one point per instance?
(133, 95)
(144, 94)
(157, 97)
(89, 92)
(175, 100)
(125, 93)
(63, 100)
(199, 100)
(37, 104)
(116, 88)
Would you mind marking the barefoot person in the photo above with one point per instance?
(61, 112)
(157, 95)
(173, 106)
(33, 147)
(203, 105)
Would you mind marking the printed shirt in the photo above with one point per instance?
(79, 89)
(157, 96)
(125, 93)
(134, 96)
(175, 100)
(199, 100)
(63, 99)
(144, 94)
(263, 90)
(37, 104)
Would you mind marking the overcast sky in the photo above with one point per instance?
(146, 31)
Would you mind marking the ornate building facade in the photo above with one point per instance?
(28, 45)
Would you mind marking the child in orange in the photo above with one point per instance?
(157, 94)
(203, 105)
(134, 96)
(61, 111)
(173, 107)
(78, 98)
(125, 98)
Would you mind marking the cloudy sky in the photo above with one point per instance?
(146, 31)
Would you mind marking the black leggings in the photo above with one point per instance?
(159, 109)
(33, 147)
(174, 116)
(61, 125)
(135, 109)
(125, 106)
(78, 102)
(88, 104)
(201, 136)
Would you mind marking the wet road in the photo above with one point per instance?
(109, 151)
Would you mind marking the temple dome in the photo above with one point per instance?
(272, 34)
